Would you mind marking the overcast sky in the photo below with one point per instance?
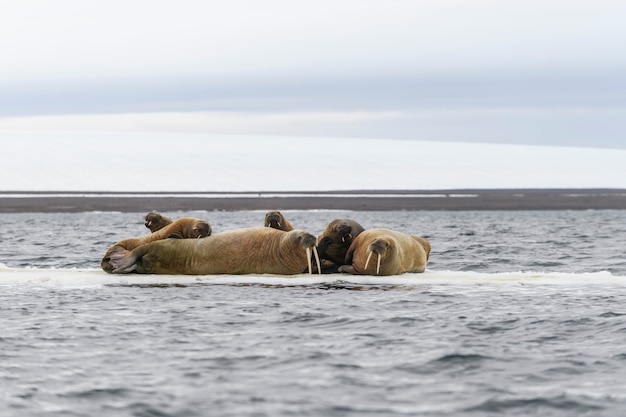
(529, 72)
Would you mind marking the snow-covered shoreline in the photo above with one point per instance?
(150, 162)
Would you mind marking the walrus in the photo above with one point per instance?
(156, 221)
(256, 250)
(396, 253)
(183, 228)
(336, 238)
(276, 220)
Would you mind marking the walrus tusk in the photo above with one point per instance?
(378, 266)
(317, 259)
(308, 259)
(368, 260)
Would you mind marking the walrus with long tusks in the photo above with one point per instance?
(276, 220)
(257, 250)
(333, 243)
(183, 228)
(156, 221)
(386, 252)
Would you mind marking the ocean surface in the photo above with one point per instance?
(518, 314)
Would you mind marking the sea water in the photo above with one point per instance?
(518, 313)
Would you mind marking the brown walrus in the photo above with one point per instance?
(156, 221)
(183, 228)
(396, 253)
(333, 243)
(276, 220)
(257, 250)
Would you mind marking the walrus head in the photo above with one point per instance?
(276, 220)
(344, 231)
(156, 221)
(380, 247)
(336, 238)
(308, 242)
(200, 229)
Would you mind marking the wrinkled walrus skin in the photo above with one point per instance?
(333, 243)
(276, 220)
(386, 252)
(257, 250)
(183, 228)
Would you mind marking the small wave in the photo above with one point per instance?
(611, 314)
(98, 393)
(447, 362)
(534, 405)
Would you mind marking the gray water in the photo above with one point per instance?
(339, 349)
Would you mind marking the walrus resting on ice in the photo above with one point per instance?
(276, 220)
(333, 243)
(257, 250)
(156, 221)
(395, 253)
(183, 228)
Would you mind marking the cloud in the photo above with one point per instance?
(283, 67)
(69, 39)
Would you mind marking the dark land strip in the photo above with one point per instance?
(360, 200)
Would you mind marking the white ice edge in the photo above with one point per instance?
(89, 277)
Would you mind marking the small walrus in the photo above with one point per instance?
(183, 228)
(396, 253)
(257, 250)
(156, 221)
(333, 243)
(276, 220)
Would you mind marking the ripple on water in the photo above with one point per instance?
(456, 362)
(535, 406)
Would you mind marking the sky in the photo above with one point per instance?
(528, 72)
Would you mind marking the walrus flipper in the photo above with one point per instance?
(123, 262)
